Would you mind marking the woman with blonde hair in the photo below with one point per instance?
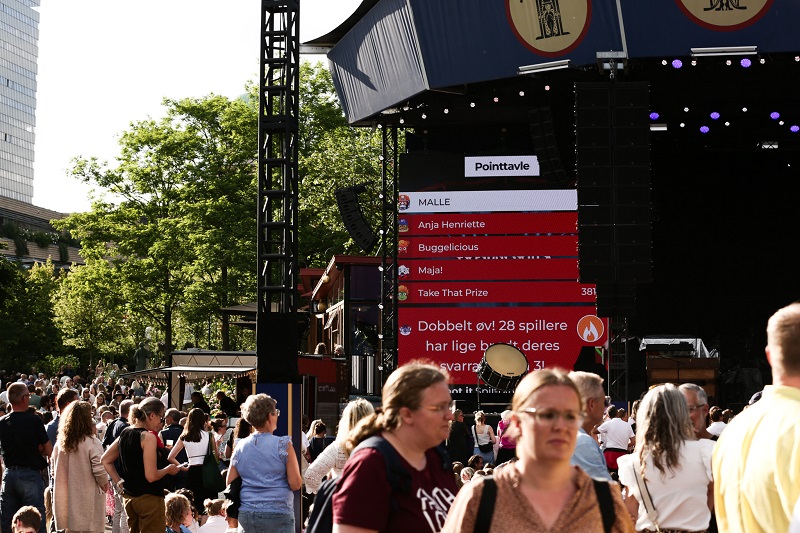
(75, 462)
(542, 491)
(409, 428)
(269, 470)
(670, 464)
(333, 458)
(483, 435)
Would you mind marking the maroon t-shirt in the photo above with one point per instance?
(364, 496)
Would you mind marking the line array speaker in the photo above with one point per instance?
(353, 218)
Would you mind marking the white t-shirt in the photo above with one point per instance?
(680, 497)
(187, 393)
(716, 428)
(616, 433)
(196, 451)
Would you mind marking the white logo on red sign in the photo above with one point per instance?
(590, 328)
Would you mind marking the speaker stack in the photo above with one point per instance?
(612, 136)
(353, 218)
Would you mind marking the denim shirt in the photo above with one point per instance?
(261, 460)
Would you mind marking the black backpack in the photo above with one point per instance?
(321, 518)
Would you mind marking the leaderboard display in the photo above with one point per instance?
(481, 267)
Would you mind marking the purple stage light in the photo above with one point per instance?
(774, 115)
(677, 63)
(745, 63)
(704, 129)
(654, 116)
(715, 115)
(794, 129)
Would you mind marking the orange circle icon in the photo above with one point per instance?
(590, 328)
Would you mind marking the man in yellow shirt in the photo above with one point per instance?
(756, 461)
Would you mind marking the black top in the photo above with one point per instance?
(21, 434)
(173, 432)
(202, 405)
(228, 406)
(459, 442)
(131, 458)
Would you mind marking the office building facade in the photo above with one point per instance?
(19, 36)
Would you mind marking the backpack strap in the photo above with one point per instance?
(486, 506)
(606, 504)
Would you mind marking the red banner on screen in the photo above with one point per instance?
(457, 292)
(508, 268)
(457, 246)
(457, 337)
(487, 223)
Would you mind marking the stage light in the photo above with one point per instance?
(762, 60)
(745, 63)
(744, 110)
(664, 62)
(685, 109)
(472, 104)
(725, 51)
(780, 122)
(544, 67)
(682, 125)
(658, 127)
(704, 129)
(714, 115)
(424, 116)
(797, 58)
(727, 123)
(446, 111)
(794, 128)
(402, 121)
(522, 93)
(694, 62)
(546, 87)
(677, 63)
(654, 116)
(728, 62)
(774, 115)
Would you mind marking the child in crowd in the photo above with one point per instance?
(26, 520)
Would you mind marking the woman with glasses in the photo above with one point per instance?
(269, 470)
(195, 440)
(542, 491)
(139, 479)
(673, 467)
(75, 462)
(414, 419)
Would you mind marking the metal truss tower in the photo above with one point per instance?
(278, 119)
(388, 307)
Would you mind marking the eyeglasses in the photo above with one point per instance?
(277, 412)
(693, 408)
(548, 417)
(440, 408)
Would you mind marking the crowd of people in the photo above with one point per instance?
(562, 458)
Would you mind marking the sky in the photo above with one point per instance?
(104, 64)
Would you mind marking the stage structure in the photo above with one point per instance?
(277, 321)
(417, 66)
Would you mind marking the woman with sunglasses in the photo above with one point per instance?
(139, 479)
(269, 470)
(542, 491)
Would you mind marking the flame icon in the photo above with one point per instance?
(590, 328)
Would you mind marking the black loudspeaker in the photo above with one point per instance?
(278, 341)
(545, 146)
(612, 137)
(353, 218)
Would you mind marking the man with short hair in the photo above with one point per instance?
(26, 520)
(697, 402)
(755, 460)
(618, 438)
(169, 436)
(200, 403)
(227, 405)
(24, 445)
(587, 454)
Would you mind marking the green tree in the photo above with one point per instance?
(90, 311)
(181, 201)
(332, 156)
